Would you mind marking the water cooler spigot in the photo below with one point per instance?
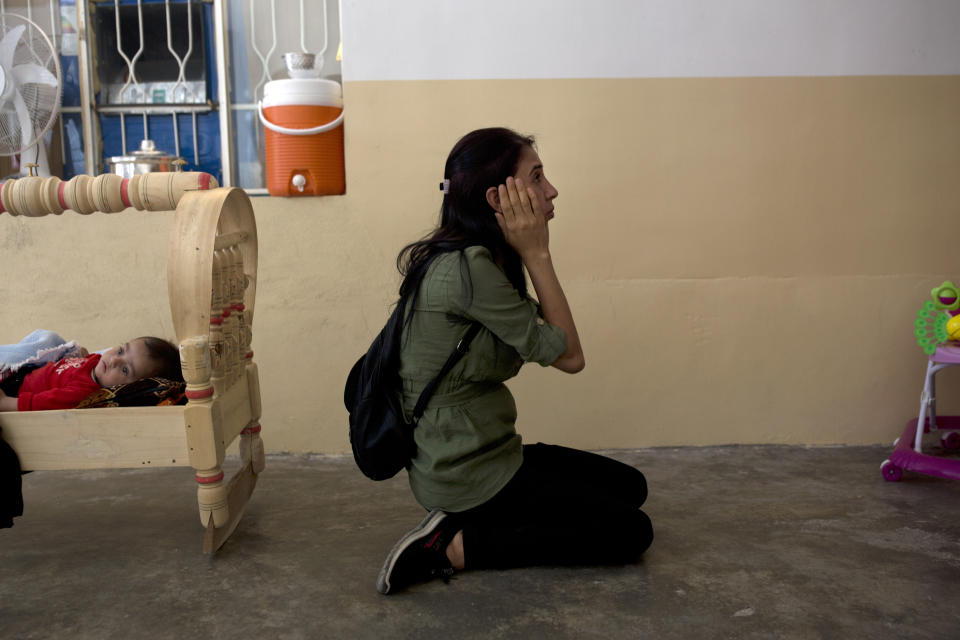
(299, 181)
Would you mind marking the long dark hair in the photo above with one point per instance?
(480, 160)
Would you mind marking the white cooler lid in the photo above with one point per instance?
(310, 91)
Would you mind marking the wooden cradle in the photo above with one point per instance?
(211, 278)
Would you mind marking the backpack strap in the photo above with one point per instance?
(454, 357)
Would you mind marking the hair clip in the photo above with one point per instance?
(445, 185)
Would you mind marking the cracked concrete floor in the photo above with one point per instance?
(751, 542)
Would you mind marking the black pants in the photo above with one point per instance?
(563, 507)
(11, 496)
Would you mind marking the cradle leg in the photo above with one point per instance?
(251, 448)
(238, 492)
(212, 497)
(251, 445)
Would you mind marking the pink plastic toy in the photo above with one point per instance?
(907, 452)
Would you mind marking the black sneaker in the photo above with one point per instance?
(418, 556)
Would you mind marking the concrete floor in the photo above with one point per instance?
(751, 542)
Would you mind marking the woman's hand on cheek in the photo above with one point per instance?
(523, 224)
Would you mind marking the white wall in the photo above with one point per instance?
(454, 39)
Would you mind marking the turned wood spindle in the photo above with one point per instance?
(237, 281)
(161, 191)
(212, 497)
(229, 322)
(196, 366)
(24, 197)
(243, 329)
(109, 193)
(76, 194)
(222, 262)
(50, 196)
(216, 324)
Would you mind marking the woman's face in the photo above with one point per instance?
(530, 170)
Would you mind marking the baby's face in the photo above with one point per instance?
(126, 363)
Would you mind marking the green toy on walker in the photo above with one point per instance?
(937, 329)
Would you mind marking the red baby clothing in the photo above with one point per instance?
(58, 385)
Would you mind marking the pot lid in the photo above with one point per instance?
(147, 152)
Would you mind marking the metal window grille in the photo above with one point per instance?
(260, 32)
(244, 43)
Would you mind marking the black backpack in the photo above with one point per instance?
(381, 439)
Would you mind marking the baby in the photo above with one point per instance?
(65, 383)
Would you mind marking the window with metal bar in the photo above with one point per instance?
(183, 74)
(260, 32)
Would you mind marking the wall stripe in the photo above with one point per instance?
(501, 39)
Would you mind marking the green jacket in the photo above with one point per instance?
(467, 444)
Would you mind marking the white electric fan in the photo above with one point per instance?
(29, 90)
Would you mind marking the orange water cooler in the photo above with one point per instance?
(303, 125)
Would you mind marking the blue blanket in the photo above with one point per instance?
(40, 347)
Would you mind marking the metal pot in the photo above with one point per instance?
(302, 65)
(147, 159)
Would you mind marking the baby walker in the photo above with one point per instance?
(937, 331)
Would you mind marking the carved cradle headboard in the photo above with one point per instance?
(211, 280)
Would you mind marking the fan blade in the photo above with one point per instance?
(26, 124)
(33, 74)
(9, 44)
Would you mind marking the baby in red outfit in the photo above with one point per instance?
(65, 383)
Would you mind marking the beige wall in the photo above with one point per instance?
(744, 257)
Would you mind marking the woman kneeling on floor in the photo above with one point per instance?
(494, 503)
